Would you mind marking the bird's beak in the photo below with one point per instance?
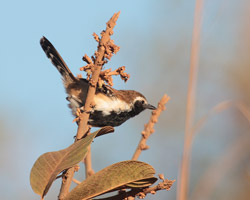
(149, 106)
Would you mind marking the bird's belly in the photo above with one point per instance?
(98, 119)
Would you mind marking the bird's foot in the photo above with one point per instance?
(78, 112)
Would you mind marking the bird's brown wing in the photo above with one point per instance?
(106, 90)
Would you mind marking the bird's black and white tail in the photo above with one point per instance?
(57, 61)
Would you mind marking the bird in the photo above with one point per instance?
(111, 107)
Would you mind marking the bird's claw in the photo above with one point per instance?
(78, 112)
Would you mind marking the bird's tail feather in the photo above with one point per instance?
(57, 61)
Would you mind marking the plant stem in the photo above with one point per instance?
(182, 189)
(83, 127)
(149, 127)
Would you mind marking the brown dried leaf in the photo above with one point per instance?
(127, 174)
(49, 165)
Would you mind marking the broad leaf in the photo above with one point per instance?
(123, 174)
(142, 183)
(49, 165)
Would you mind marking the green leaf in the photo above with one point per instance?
(127, 174)
(49, 165)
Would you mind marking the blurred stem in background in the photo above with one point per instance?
(183, 179)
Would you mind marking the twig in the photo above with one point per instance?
(106, 75)
(164, 185)
(149, 130)
(66, 182)
(88, 164)
(149, 127)
(182, 188)
(76, 181)
(105, 49)
(95, 71)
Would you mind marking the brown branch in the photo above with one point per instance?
(164, 185)
(66, 182)
(103, 45)
(105, 49)
(106, 75)
(88, 164)
(95, 71)
(149, 127)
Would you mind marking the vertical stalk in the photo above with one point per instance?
(182, 190)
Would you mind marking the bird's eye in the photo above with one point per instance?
(143, 102)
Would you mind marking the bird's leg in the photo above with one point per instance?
(81, 110)
(78, 111)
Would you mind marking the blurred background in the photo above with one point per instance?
(155, 40)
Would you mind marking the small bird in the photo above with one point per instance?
(111, 107)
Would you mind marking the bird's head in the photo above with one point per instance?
(140, 103)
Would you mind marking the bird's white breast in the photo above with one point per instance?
(109, 104)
